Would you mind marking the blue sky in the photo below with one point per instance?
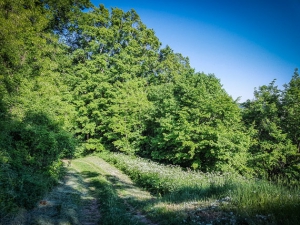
(245, 43)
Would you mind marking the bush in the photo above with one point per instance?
(29, 159)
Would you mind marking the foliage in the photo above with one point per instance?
(112, 54)
(26, 37)
(291, 109)
(30, 165)
(195, 123)
(128, 112)
(273, 152)
(34, 113)
(133, 97)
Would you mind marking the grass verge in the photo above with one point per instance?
(189, 197)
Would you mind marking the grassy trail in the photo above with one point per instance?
(92, 192)
(95, 192)
(120, 201)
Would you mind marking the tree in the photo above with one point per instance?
(112, 54)
(291, 109)
(194, 122)
(26, 32)
(128, 113)
(272, 151)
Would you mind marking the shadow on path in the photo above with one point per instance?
(68, 203)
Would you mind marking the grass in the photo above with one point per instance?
(96, 190)
(67, 203)
(189, 197)
(114, 191)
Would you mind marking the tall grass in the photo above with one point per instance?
(225, 198)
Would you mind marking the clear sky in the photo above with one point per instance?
(245, 43)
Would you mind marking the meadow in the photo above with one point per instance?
(191, 197)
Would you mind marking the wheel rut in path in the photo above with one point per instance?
(122, 184)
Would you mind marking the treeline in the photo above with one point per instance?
(75, 82)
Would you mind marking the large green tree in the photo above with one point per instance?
(194, 123)
(291, 109)
(273, 152)
(197, 124)
(114, 55)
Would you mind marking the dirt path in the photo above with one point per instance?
(122, 184)
(72, 202)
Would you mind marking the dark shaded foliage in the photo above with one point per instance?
(30, 152)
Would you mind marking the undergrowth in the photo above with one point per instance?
(30, 166)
